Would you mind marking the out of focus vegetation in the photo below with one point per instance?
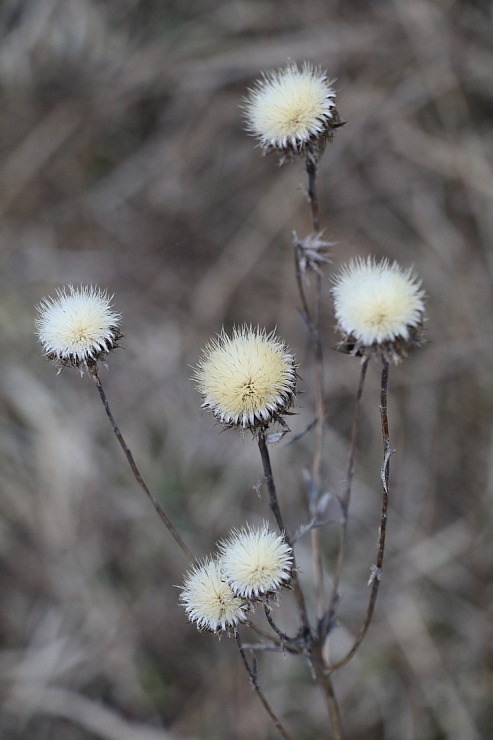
(124, 164)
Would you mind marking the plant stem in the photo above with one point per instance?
(253, 678)
(376, 573)
(314, 323)
(269, 479)
(274, 505)
(324, 680)
(311, 171)
(318, 445)
(306, 313)
(329, 615)
(135, 470)
(284, 638)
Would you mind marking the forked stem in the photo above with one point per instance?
(312, 646)
(253, 678)
(274, 505)
(330, 613)
(376, 572)
(324, 680)
(135, 470)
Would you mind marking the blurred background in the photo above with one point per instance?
(124, 163)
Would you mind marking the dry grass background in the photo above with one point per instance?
(124, 163)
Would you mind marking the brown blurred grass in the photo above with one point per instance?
(124, 163)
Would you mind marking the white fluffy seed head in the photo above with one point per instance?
(378, 305)
(209, 601)
(77, 326)
(255, 561)
(291, 107)
(246, 379)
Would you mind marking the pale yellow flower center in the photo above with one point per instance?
(243, 378)
(248, 378)
(258, 387)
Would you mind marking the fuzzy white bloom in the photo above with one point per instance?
(208, 600)
(291, 107)
(246, 379)
(378, 304)
(255, 562)
(77, 326)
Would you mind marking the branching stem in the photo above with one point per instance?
(274, 505)
(324, 680)
(327, 621)
(135, 470)
(376, 572)
(253, 678)
(284, 638)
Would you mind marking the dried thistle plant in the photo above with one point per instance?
(256, 562)
(209, 601)
(78, 328)
(379, 308)
(248, 380)
(292, 111)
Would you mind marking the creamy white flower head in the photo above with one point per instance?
(208, 600)
(78, 326)
(290, 108)
(378, 306)
(255, 562)
(247, 379)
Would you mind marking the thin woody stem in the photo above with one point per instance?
(376, 572)
(311, 171)
(313, 647)
(282, 643)
(253, 678)
(324, 680)
(318, 445)
(274, 505)
(345, 501)
(283, 637)
(314, 322)
(269, 480)
(135, 470)
(354, 434)
(313, 325)
(301, 290)
(264, 633)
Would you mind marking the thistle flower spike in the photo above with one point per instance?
(379, 308)
(292, 108)
(255, 561)
(209, 601)
(77, 327)
(246, 379)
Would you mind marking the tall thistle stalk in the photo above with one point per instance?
(78, 329)
(248, 380)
